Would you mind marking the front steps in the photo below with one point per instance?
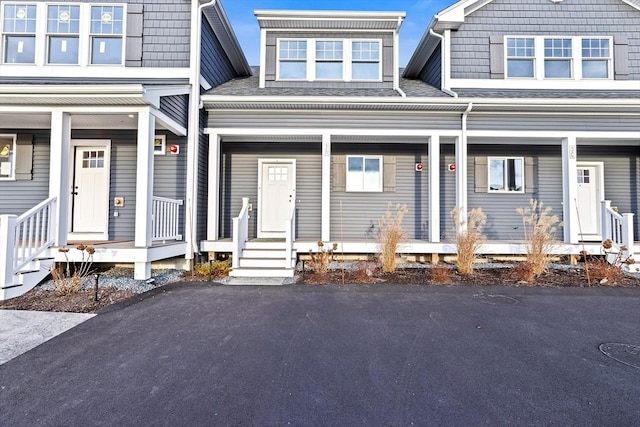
(27, 278)
(265, 258)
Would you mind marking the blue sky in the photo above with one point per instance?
(419, 14)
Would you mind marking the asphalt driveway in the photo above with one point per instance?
(193, 354)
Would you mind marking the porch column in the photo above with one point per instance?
(434, 188)
(570, 189)
(461, 178)
(325, 234)
(144, 189)
(59, 164)
(213, 212)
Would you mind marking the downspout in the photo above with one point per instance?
(193, 131)
(442, 62)
(396, 60)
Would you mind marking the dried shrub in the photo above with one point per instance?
(216, 269)
(68, 277)
(440, 274)
(604, 272)
(468, 237)
(319, 260)
(539, 234)
(390, 234)
(523, 272)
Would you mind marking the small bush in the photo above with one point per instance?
(390, 234)
(523, 272)
(320, 259)
(68, 277)
(468, 237)
(603, 272)
(440, 274)
(216, 269)
(539, 234)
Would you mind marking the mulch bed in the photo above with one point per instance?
(78, 302)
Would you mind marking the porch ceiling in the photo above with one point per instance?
(78, 121)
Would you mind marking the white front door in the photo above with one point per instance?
(276, 193)
(90, 193)
(589, 195)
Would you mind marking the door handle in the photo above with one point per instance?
(74, 193)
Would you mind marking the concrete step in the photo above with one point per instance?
(266, 253)
(265, 262)
(265, 244)
(261, 272)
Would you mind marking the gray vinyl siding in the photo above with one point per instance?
(432, 71)
(621, 177)
(239, 178)
(557, 123)
(176, 107)
(606, 18)
(271, 58)
(355, 215)
(169, 177)
(203, 181)
(371, 120)
(215, 65)
(17, 197)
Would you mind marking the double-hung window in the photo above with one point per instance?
(63, 34)
(521, 57)
(596, 58)
(506, 174)
(19, 33)
(364, 173)
(365, 63)
(7, 154)
(329, 60)
(107, 27)
(292, 59)
(558, 57)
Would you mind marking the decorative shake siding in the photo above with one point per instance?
(239, 178)
(17, 197)
(470, 56)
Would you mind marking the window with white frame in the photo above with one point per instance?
(365, 59)
(19, 33)
(506, 174)
(364, 173)
(292, 59)
(329, 60)
(541, 57)
(521, 57)
(107, 29)
(7, 156)
(596, 58)
(63, 34)
(558, 58)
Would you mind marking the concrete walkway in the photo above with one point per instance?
(364, 355)
(21, 330)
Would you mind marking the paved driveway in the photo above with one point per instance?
(332, 355)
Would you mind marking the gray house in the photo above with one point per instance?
(490, 112)
(101, 131)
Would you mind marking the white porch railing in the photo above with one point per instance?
(165, 219)
(290, 234)
(23, 238)
(240, 233)
(618, 228)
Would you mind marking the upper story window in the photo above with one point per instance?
(63, 33)
(19, 33)
(328, 59)
(541, 57)
(329, 64)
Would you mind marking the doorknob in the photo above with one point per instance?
(75, 193)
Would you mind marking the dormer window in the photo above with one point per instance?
(557, 58)
(596, 57)
(366, 60)
(292, 59)
(329, 62)
(521, 57)
(63, 30)
(107, 26)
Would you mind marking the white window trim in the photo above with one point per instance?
(159, 141)
(12, 173)
(42, 36)
(505, 159)
(347, 59)
(576, 57)
(349, 188)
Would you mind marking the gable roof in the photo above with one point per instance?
(450, 19)
(217, 18)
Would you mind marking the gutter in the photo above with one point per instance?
(442, 62)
